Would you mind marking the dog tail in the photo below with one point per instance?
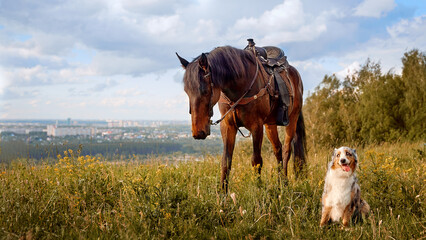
(364, 208)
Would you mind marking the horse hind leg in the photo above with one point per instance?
(272, 134)
(295, 140)
(290, 131)
(299, 147)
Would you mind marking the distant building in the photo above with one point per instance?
(21, 130)
(55, 131)
(121, 123)
(15, 130)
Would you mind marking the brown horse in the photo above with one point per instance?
(235, 74)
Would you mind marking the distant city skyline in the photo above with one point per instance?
(101, 130)
(70, 121)
(116, 59)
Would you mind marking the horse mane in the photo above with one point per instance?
(227, 64)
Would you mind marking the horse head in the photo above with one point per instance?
(202, 94)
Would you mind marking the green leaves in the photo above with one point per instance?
(370, 107)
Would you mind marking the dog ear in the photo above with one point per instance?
(355, 155)
(334, 154)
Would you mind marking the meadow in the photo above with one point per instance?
(86, 197)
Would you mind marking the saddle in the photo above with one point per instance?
(274, 62)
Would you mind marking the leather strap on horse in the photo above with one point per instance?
(245, 100)
(241, 98)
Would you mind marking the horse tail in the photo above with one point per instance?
(299, 147)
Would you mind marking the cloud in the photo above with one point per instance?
(171, 103)
(414, 29)
(104, 85)
(116, 58)
(114, 102)
(34, 103)
(374, 8)
(129, 92)
(162, 25)
(311, 72)
(26, 54)
(178, 77)
(31, 76)
(286, 22)
(348, 70)
(288, 14)
(108, 63)
(4, 83)
(12, 94)
(125, 38)
(403, 36)
(153, 7)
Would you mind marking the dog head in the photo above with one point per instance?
(344, 158)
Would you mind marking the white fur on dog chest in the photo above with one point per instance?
(340, 195)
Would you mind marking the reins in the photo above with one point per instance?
(241, 98)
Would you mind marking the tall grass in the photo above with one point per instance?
(83, 197)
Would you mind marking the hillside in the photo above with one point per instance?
(85, 197)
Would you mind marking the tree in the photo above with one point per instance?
(368, 106)
(414, 108)
(322, 113)
(379, 104)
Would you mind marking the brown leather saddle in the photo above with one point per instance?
(274, 62)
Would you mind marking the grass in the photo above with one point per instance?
(84, 197)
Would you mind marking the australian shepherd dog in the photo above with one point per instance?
(341, 198)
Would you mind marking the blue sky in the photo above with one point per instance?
(114, 59)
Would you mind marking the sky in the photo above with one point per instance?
(115, 59)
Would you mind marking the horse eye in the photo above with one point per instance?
(204, 89)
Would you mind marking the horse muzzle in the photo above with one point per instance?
(202, 134)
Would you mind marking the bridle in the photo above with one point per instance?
(208, 74)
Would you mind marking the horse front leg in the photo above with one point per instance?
(257, 136)
(228, 132)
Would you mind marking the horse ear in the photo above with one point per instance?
(182, 61)
(203, 62)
